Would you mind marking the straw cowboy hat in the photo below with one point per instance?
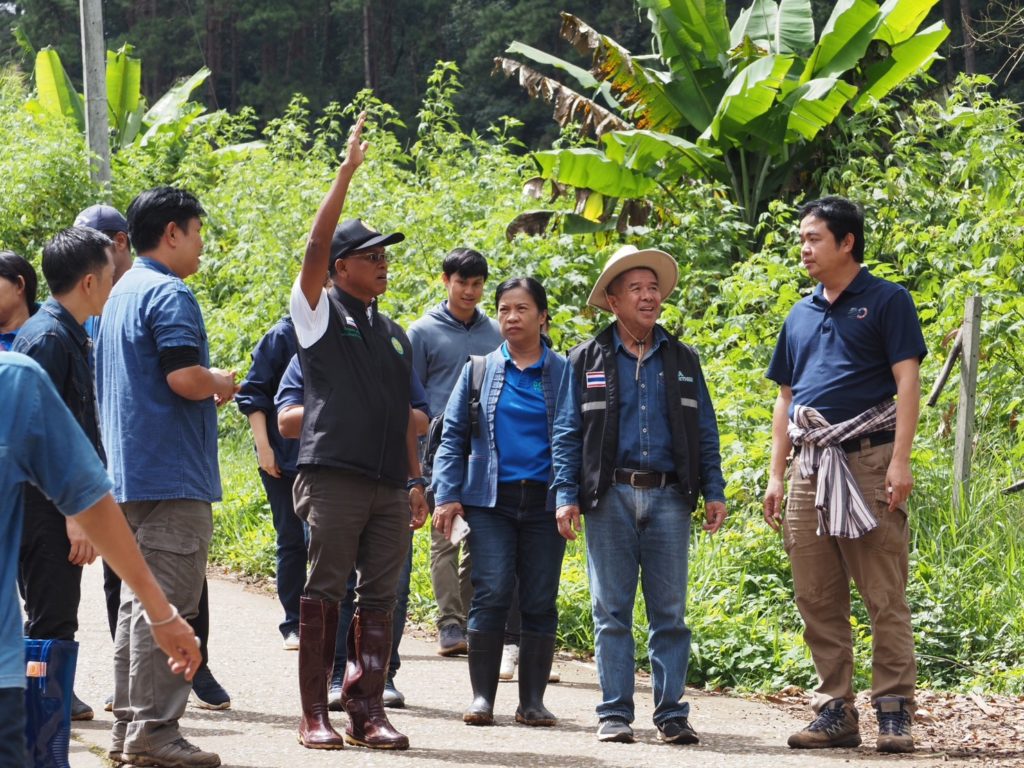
(627, 258)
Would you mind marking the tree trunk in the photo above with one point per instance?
(949, 15)
(369, 75)
(970, 66)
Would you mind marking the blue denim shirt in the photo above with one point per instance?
(473, 480)
(567, 442)
(645, 440)
(41, 444)
(159, 444)
(54, 339)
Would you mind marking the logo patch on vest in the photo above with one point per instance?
(351, 329)
(687, 379)
(595, 379)
(398, 346)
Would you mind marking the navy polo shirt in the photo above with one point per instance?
(521, 423)
(838, 357)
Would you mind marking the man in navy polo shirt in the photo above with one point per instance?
(158, 401)
(843, 354)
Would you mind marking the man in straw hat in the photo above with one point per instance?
(635, 442)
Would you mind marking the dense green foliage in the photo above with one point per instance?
(944, 189)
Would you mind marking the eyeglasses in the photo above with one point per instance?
(376, 256)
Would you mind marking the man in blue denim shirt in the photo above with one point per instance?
(158, 397)
(78, 267)
(635, 442)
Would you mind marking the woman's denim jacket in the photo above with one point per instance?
(473, 481)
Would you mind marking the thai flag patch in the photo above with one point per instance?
(595, 379)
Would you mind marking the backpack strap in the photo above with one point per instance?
(477, 365)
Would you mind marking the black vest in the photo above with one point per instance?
(356, 394)
(599, 408)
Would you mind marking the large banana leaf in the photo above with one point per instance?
(169, 114)
(815, 105)
(906, 59)
(695, 29)
(751, 95)
(124, 83)
(582, 76)
(901, 19)
(786, 27)
(56, 93)
(643, 151)
(844, 40)
(590, 169)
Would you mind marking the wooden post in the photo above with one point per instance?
(965, 411)
(94, 68)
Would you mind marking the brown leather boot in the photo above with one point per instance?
(318, 622)
(369, 651)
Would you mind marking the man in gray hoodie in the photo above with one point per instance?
(442, 340)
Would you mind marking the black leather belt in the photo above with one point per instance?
(855, 444)
(643, 478)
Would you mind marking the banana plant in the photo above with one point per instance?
(743, 105)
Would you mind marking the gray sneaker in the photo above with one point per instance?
(614, 729)
(451, 641)
(835, 726)
(178, 754)
(393, 698)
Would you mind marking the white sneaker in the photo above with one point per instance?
(509, 659)
(291, 641)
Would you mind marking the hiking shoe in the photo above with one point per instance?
(835, 726)
(677, 730)
(614, 729)
(893, 724)
(177, 754)
(393, 697)
(509, 659)
(79, 709)
(207, 693)
(451, 641)
(291, 641)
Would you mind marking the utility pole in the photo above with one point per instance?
(94, 68)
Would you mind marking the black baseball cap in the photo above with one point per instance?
(105, 218)
(353, 235)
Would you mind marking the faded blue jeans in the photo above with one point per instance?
(640, 534)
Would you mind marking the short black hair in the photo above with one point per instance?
(466, 262)
(842, 217)
(72, 254)
(151, 211)
(13, 267)
(530, 285)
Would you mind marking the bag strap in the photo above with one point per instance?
(477, 365)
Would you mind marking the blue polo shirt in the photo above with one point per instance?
(42, 444)
(838, 357)
(521, 423)
(159, 444)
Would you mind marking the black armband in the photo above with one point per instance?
(175, 358)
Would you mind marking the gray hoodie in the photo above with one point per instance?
(440, 347)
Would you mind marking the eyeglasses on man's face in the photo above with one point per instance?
(375, 255)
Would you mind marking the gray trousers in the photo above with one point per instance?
(353, 522)
(174, 536)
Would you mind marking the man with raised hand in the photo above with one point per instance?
(158, 400)
(635, 443)
(843, 354)
(359, 486)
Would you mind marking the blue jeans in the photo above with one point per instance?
(518, 537)
(641, 533)
(348, 608)
(291, 547)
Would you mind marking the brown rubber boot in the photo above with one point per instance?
(318, 622)
(369, 651)
(835, 726)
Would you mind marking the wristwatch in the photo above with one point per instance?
(414, 481)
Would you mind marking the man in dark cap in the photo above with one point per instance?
(359, 486)
(108, 220)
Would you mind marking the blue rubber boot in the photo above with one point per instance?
(50, 670)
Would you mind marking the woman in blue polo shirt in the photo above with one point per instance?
(496, 478)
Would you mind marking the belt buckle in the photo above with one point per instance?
(632, 479)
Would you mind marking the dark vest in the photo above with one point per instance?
(356, 394)
(599, 408)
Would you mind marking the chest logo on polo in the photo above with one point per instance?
(857, 313)
(595, 380)
(351, 329)
(682, 377)
(398, 346)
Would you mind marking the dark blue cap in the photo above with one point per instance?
(105, 218)
(353, 235)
